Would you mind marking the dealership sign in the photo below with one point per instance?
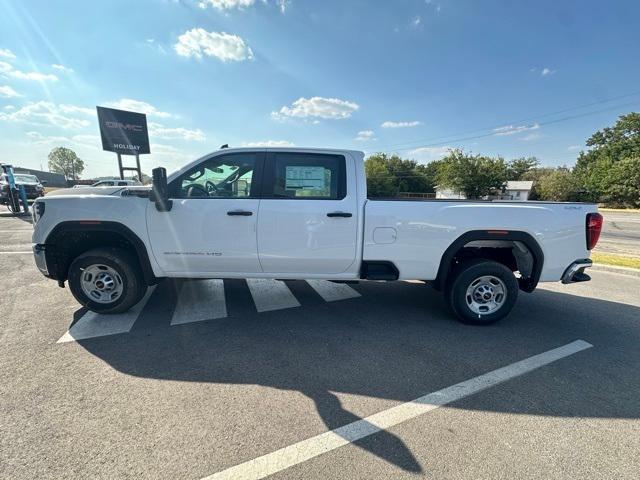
(123, 132)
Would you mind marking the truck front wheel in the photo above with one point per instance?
(481, 292)
(106, 280)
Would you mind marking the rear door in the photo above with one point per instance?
(308, 217)
(211, 227)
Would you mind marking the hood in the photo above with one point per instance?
(84, 191)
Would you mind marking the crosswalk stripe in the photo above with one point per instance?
(331, 291)
(98, 325)
(269, 294)
(200, 300)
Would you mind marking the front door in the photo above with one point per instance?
(211, 227)
(308, 218)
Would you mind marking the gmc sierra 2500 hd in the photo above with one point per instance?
(290, 213)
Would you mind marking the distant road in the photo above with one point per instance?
(621, 233)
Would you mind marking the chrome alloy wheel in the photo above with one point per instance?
(486, 295)
(101, 283)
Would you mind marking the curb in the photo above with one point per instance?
(614, 269)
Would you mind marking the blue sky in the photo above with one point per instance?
(409, 76)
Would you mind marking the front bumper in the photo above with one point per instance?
(575, 272)
(39, 256)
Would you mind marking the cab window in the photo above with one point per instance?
(306, 176)
(226, 176)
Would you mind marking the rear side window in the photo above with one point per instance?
(306, 176)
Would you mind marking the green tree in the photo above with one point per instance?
(608, 167)
(560, 185)
(518, 167)
(65, 161)
(474, 175)
(621, 186)
(387, 175)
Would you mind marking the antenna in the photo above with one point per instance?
(226, 145)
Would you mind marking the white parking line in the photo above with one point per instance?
(269, 294)
(13, 253)
(200, 300)
(300, 452)
(331, 291)
(97, 325)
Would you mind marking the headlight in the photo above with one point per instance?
(38, 211)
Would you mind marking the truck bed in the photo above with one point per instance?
(415, 233)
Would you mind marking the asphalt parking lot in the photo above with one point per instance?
(235, 379)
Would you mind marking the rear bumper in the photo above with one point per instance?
(575, 272)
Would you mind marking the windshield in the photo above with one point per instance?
(25, 178)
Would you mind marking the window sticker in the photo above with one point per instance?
(306, 178)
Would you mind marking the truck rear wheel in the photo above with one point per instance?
(106, 280)
(482, 292)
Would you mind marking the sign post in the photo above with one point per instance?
(124, 133)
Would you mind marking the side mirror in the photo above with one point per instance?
(160, 192)
(43, 182)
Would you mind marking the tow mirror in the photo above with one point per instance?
(160, 192)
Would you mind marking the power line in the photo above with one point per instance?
(492, 128)
(493, 133)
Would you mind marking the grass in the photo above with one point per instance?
(614, 259)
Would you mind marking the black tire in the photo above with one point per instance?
(462, 279)
(129, 273)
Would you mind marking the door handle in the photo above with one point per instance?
(239, 213)
(339, 214)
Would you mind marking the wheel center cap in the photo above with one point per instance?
(483, 293)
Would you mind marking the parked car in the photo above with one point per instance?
(111, 183)
(300, 214)
(32, 186)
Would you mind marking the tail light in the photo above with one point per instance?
(594, 226)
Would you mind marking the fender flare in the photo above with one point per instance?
(527, 285)
(105, 226)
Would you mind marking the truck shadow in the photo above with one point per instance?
(396, 343)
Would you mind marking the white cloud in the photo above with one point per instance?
(511, 130)
(76, 109)
(7, 92)
(62, 68)
(282, 5)
(573, 148)
(317, 107)
(9, 107)
(8, 70)
(138, 106)
(226, 4)
(6, 53)
(224, 46)
(417, 20)
(88, 141)
(151, 42)
(390, 124)
(49, 113)
(269, 143)
(546, 71)
(428, 154)
(364, 135)
(38, 139)
(175, 133)
(530, 137)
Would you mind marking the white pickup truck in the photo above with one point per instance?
(289, 213)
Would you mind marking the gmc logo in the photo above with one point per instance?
(124, 126)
